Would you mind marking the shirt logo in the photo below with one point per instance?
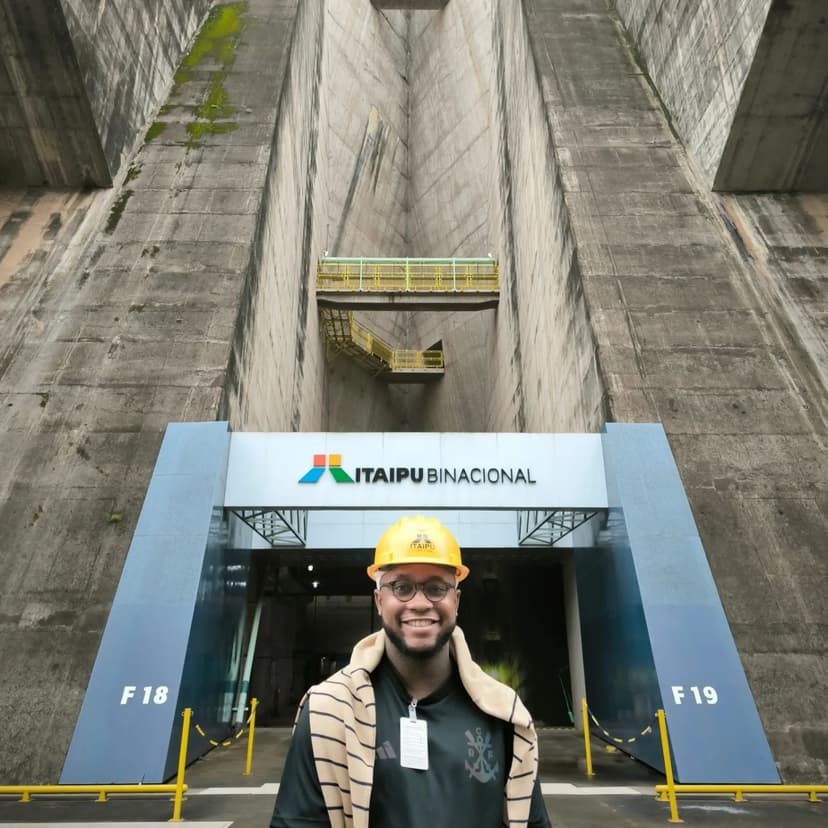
(386, 751)
(481, 764)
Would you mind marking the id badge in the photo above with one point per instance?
(413, 744)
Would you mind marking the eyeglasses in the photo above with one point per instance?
(435, 590)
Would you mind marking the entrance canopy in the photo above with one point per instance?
(653, 631)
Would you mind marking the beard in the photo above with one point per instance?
(420, 654)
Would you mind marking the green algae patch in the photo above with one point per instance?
(222, 25)
(198, 129)
(213, 52)
(133, 172)
(155, 130)
(117, 211)
(216, 104)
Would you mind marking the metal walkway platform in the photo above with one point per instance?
(407, 284)
(344, 285)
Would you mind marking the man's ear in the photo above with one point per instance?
(378, 601)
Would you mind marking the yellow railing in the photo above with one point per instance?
(25, 792)
(369, 341)
(408, 275)
(738, 790)
(177, 788)
(346, 334)
(394, 358)
(669, 792)
(416, 360)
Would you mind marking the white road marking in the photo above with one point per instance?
(727, 809)
(268, 789)
(547, 788)
(165, 824)
(568, 789)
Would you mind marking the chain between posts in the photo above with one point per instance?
(645, 732)
(669, 792)
(587, 714)
(250, 730)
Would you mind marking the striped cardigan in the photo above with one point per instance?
(343, 733)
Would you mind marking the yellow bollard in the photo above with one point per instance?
(587, 748)
(182, 762)
(254, 703)
(668, 767)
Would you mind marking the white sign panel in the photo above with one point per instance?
(416, 471)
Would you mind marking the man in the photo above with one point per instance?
(412, 732)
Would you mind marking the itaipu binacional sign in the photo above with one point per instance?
(416, 474)
(396, 470)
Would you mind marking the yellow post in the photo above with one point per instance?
(587, 747)
(251, 729)
(668, 767)
(182, 762)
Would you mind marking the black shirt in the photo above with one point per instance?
(468, 757)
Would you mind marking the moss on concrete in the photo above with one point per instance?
(117, 211)
(216, 104)
(213, 51)
(198, 129)
(155, 130)
(133, 172)
(217, 37)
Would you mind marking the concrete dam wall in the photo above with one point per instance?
(79, 81)
(527, 131)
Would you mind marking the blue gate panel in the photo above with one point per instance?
(170, 611)
(621, 681)
(715, 731)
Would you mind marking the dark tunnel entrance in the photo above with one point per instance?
(316, 606)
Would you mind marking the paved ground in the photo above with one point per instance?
(620, 794)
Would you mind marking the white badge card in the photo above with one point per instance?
(413, 744)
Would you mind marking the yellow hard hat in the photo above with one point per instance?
(417, 540)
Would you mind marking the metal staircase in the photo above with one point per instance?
(344, 285)
(346, 335)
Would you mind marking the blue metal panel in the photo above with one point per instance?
(622, 687)
(167, 640)
(665, 601)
